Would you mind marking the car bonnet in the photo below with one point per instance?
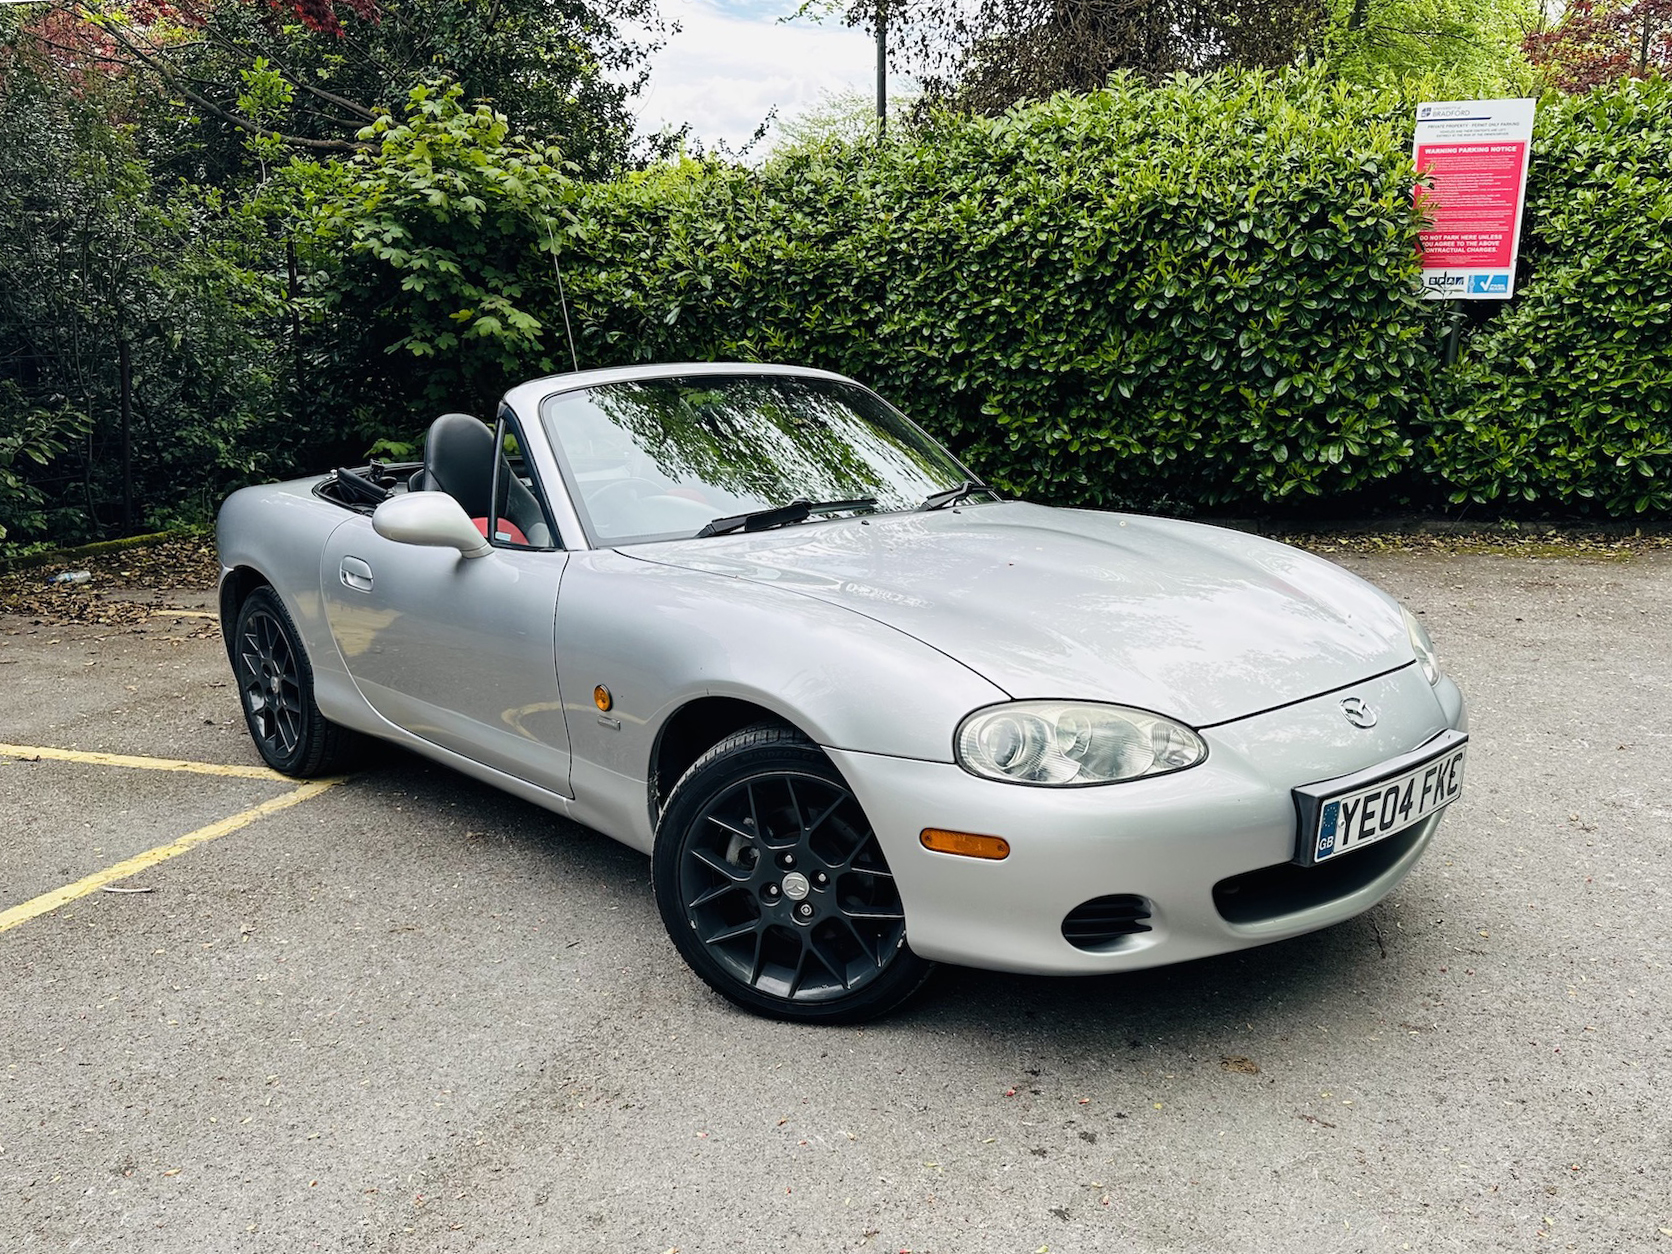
(1196, 622)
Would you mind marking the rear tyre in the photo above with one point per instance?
(275, 686)
(773, 887)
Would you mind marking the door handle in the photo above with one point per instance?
(356, 574)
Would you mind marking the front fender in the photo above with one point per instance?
(659, 637)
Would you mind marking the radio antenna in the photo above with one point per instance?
(562, 298)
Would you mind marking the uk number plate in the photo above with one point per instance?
(1338, 816)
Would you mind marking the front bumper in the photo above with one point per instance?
(1207, 849)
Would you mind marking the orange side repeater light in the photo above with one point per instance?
(601, 698)
(966, 844)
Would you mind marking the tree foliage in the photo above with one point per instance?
(845, 117)
(1602, 41)
(95, 256)
(31, 435)
(1464, 48)
(561, 68)
(149, 200)
(426, 248)
(990, 54)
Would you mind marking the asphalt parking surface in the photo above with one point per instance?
(412, 1014)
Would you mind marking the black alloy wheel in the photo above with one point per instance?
(275, 686)
(774, 888)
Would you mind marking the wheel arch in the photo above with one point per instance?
(236, 586)
(691, 731)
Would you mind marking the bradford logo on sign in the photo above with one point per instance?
(1489, 284)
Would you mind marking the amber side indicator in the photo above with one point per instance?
(601, 697)
(965, 844)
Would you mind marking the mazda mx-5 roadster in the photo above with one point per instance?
(863, 714)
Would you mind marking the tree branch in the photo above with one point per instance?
(295, 80)
(161, 67)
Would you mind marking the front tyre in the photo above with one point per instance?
(275, 687)
(774, 889)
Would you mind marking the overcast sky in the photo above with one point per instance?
(732, 61)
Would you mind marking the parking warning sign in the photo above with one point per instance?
(1472, 155)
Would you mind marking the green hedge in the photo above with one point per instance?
(1198, 295)
(1565, 399)
(1191, 295)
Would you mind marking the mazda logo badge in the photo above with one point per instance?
(1358, 712)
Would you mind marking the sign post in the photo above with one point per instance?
(1474, 155)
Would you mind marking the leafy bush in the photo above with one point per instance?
(29, 436)
(426, 245)
(95, 255)
(1565, 399)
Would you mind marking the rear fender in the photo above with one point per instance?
(277, 532)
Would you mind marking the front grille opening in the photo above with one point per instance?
(1274, 891)
(1101, 923)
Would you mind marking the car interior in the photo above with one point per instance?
(459, 459)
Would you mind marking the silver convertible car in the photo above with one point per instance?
(863, 714)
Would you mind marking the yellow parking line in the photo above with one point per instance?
(144, 764)
(188, 614)
(162, 853)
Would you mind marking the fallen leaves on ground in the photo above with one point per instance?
(128, 589)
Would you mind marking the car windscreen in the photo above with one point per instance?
(661, 458)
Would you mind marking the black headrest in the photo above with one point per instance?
(458, 460)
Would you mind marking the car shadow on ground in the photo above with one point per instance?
(1191, 1002)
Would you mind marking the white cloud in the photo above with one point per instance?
(731, 64)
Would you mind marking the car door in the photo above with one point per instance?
(459, 651)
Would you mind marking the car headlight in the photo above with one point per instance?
(1070, 743)
(1424, 646)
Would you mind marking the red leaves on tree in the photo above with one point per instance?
(150, 12)
(1597, 43)
(322, 16)
(76, 50)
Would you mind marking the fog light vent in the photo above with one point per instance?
(1100, 922)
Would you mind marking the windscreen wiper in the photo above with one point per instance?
(798, 510)
(968, 487)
